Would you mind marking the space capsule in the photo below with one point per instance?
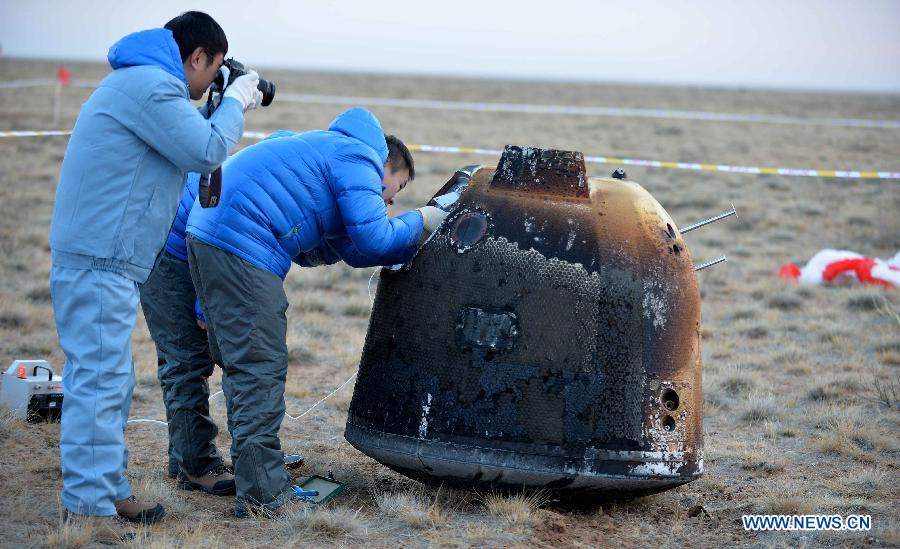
(547, 335)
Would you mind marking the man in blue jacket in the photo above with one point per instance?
(184, 361)
(282, 199)
(121, 177)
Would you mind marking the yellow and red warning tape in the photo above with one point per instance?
(721, 168)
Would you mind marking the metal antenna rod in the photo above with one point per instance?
(699, 224)
(710, 263)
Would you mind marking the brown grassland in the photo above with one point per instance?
(801, 384)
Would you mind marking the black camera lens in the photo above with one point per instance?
(236, 70)
(267, 87)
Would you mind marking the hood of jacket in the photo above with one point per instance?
(156, 47)
(359, 123)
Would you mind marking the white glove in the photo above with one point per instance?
(244, 90)
(217, 96)
(226, 72)
(432, 217)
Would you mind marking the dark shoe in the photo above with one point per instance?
(293, 461)
(111, 529)
(173, 466)
(289, 504)
(144, 512)
(218, 482)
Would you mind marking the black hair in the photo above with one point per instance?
(195, 29)
(399, 156)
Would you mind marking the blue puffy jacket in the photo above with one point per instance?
(290, 193)
(331, 250)
(124, 167)
(175, 244)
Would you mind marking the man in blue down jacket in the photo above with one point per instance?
(282, 200)
(121, 177)
(184, 362)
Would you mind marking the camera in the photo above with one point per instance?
(210, 186)
(236, 69)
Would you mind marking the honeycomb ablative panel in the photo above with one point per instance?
(537, 339)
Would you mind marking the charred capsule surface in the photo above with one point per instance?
(547, 335)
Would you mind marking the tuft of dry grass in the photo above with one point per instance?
(479, 535)
(889, 535)
(759, 456)
(357, 306)
(309, 302)
(822, 393)
(887, 389)
(306, 525)
(785, 501)
(298, 354)
(9, 423)
(757, 330)
(146, 379)
(155, 488)
(192, 534)
(886, 308)
(517, 509)
(861, 483)
(412, 508)
(745, 314)
(740, 383)
(800, 370)
(786, 301)
(712, 405)
(890, 358)
(790, 359)
(848, 434)
(762, 407)
(865, 299)
(69, 535)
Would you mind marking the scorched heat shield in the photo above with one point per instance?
(546, 336)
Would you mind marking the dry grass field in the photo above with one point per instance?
(801, 383)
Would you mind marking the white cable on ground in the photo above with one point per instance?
(323, 399)
(160, 422)
(308, 410)
(142, 420)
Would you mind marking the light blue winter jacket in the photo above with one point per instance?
(290, 193)
(124, 168)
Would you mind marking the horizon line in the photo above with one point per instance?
(454, 75)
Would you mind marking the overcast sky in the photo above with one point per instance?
(806, 44)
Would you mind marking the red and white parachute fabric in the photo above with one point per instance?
(832, 266)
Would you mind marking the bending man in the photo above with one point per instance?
(287, 195)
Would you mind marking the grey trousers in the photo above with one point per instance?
(245, 310)
(184, 364)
